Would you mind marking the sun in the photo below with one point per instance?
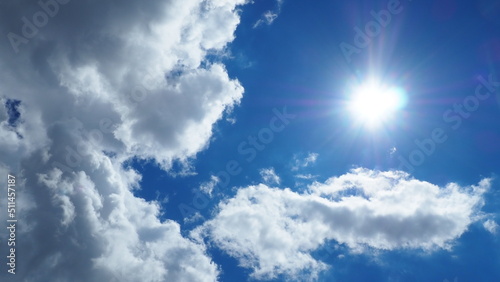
(373, 103)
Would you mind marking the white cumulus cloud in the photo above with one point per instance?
(100, 83)
(273, 231)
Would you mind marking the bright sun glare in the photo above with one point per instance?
(373, 103)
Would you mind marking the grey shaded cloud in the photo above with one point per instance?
(99, 83)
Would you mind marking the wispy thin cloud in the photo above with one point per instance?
(269, 16)
(209, 186)
(269, 176)
(491, 226)
(303, 162)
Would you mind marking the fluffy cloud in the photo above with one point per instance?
(99, 83)
(273, 231)
(118, 59)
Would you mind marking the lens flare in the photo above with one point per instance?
(374, 104)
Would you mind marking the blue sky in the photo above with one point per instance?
(267, 141)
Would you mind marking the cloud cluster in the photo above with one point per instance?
(99, 83)
(273, 231)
